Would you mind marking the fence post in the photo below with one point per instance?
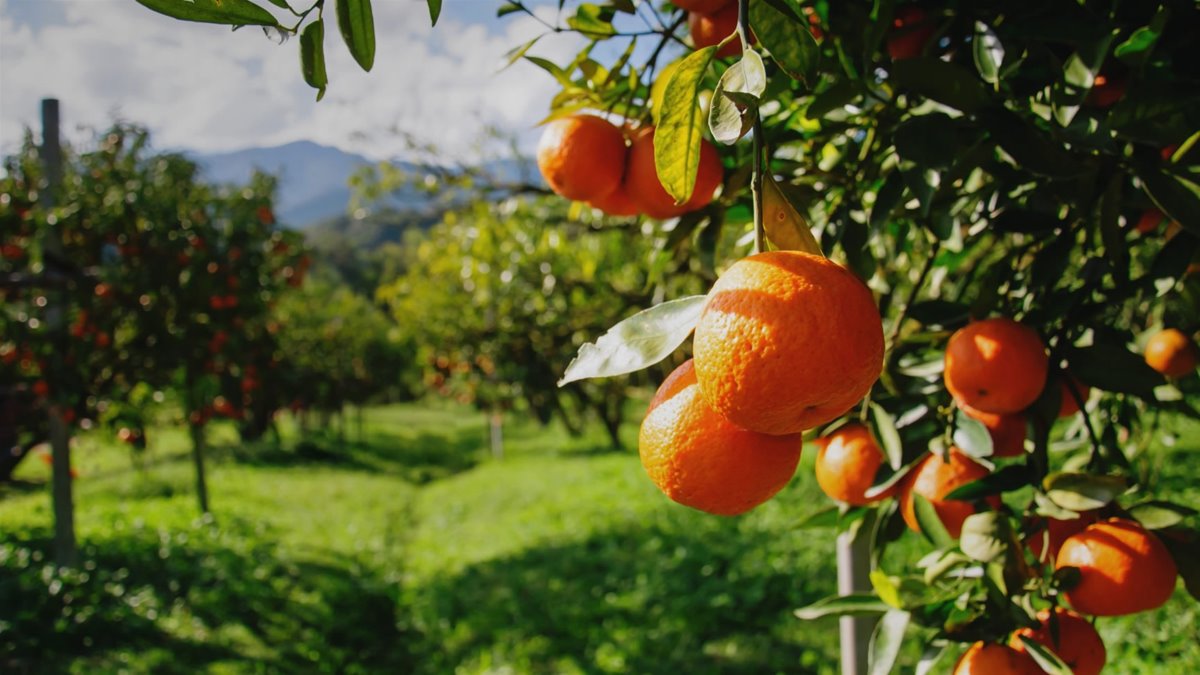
(854, 570)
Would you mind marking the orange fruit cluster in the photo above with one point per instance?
(787, 341)
(587, 158)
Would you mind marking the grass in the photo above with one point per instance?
(411, 550)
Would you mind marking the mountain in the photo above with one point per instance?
(313, 179)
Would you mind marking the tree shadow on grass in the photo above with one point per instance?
(229, 597)
(638, 599)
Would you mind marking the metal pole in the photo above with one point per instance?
(62, 497)
(854, 570)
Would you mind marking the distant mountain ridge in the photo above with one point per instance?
(314, 179)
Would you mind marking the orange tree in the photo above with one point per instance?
(1016, 183)
(163, 282)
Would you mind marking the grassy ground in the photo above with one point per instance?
(411, 550)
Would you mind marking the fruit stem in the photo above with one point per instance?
(756, 177)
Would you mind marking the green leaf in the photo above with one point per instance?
(889, 437)
(1032, 148)
(1047, 660)
(971, 436)
(1184, 546)
(988, 52)
(517, 52)
(944, 82)
(889, 196)
(841, 93)
(787, 39)
(626, 6)
(678, 136)
(929, 658)
(843, 605)
(642, 340)
(881, 488)
(508, 8)
(826, 517)
(1158, 515)
(735, 101)
(931, 524)
(1082, 491)
(1136, 50)
(1007, 479)
(1115, 248)
(228, 12)
(593, 21)
(358, 30)
(985, 536)
(887, 641)
(928, 140)
(887, 588)
(435, 10)
(1177, 196)
(312, 56)
(1111, 367)
(551, 67)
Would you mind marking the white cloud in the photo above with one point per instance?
(207, 88)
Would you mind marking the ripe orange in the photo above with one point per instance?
(911, 30)
(1077, 644)
(1171, 352)
(787, 341)
(708, 30)
(985, 658)
(702, 6)
(699, 459)
(996, 365)
(1007, 431)
(1053, 532)
(1107, 88)
(646, 191)
(846, 464)
(1068, 405)
(615, 203)
(1149, 221)
(582, 157)
(933, 479)
(1123, 569)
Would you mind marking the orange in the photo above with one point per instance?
(787, 341)
(984, 658)
(1149, 222)
(616, 203)
(582, 157)
(1107, 88)
(1123, 569)
(1007, 431)
(645, 189)
(1068, 405)
(1072, 638)
(911, 31)
(709, 29)
(698, 459)
(1052, 532)
(996, 365)
(933, 479)
(1171, 352)
(846, 464)
(702, 6)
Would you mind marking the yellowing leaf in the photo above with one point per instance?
(785, 227)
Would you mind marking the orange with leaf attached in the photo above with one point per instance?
(1123, 569)
(645, 190)
(1070, 636)
(847, 461)
(934, 478)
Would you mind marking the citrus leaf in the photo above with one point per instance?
(931, 525)
(942, 81)
(227, 12)
(1158, 515)
(927, 140)
(929, 659)
(1111, 367)
(889, 196)
(1032, 148)
(1184, 546)
(881, 488)
(357, 25)
(1082, 491)
(593, 21)
(734, 103)
(1047, 660)
(642, 340)
(886, 642)
(843, 605)
(1007, 479)
(785, 227)
(988, 52)
(1178, 197)
(678, 135)
(1137, 48)
(889, 438)
(517, 52)
(826, 517)
(971, 436)
(435, 10)
(312, 56)
(787, 39)
(886, 588)
(985, 536)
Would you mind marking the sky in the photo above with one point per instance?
(207, 88)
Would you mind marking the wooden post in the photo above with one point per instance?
(854, 570)
(61, 486)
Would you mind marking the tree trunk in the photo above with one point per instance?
(197, 431)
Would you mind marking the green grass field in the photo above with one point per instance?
(412, 550)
